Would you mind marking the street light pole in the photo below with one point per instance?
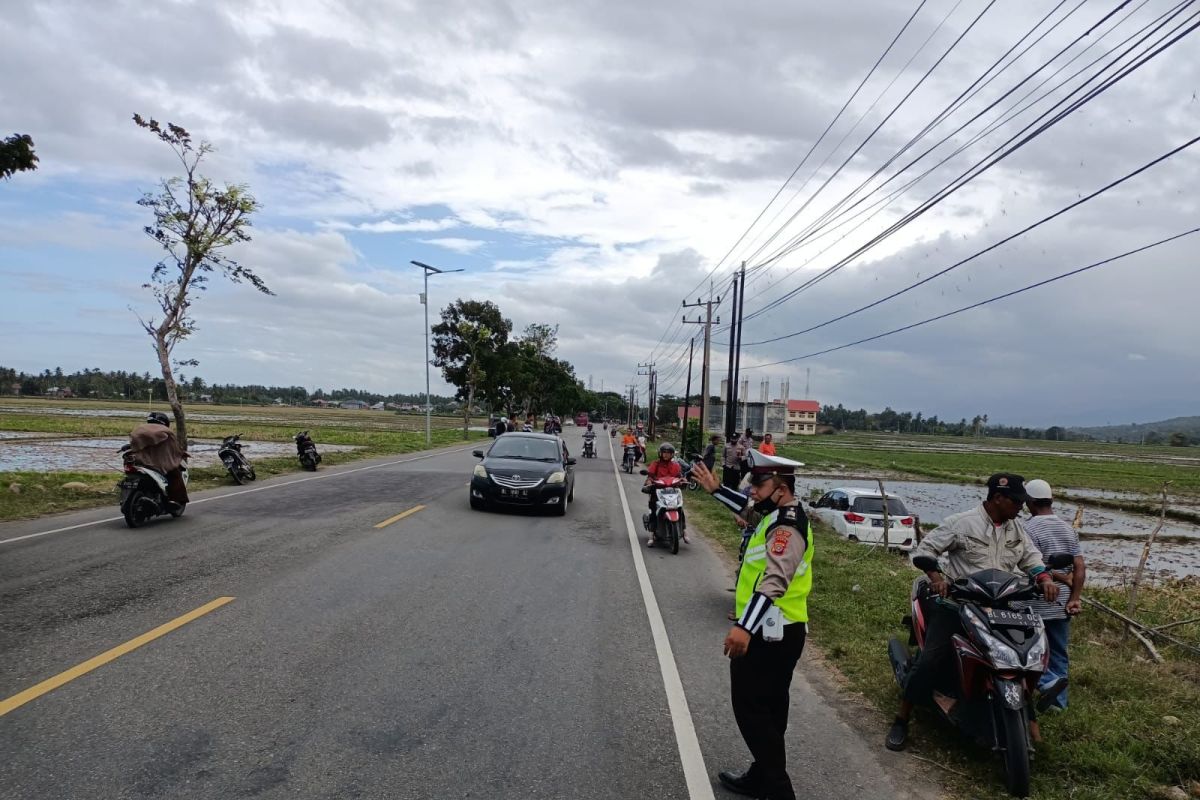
(425, 302)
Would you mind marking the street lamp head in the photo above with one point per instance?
(428, 269)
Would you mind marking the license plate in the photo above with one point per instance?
(877, 523)
(514, 493)
(1003, 617)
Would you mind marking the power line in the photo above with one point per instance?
(987, 249)
(998, 297)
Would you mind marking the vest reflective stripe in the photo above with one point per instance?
(794, 603)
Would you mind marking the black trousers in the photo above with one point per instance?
(759, 682)
(731, 477)
(931, 666)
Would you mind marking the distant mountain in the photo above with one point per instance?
(1135, 431)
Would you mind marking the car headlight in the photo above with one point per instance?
(1004, 656)
(557, 477)
(480, 472)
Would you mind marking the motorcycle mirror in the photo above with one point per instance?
(477, 453)
(643, 472)
(926, 563)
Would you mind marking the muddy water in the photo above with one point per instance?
(933, 502)
(100, 455)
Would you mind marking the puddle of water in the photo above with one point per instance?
(100, 455)
(936, 501)
(19, 435)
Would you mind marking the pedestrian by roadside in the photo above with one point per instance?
(1052, 535)
(731, 468)
(745, 444)
(709, 457)
(767, 639)
(767, 447)
(512, 423)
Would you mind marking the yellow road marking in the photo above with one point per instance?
(399, 516)
(50, 684)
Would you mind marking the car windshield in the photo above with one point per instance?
(874, 505)
(524, 448)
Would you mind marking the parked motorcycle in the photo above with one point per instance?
(629, 458)
(689, 481)
(144, 491)
(667, 521)
(996, 665)
(307, 450)
(230, 453)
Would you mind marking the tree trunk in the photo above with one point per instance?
(164, 361)
(467, 411)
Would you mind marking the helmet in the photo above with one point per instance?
(160, 418)
(666, 447)
(589, 426)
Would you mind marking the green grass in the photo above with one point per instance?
(1112, 744)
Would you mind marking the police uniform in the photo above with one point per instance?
(772, 606)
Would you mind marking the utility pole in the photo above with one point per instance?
(650, 376)
(737, 363)
(630, 409)
(731, 390)
(707, 322)
(425, 302)
(687, 403)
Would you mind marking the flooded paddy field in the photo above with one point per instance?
(20, 453)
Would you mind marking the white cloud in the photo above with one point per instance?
(457, 245)
(1136, 357)
(393, 226)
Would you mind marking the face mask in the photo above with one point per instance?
(767, 504)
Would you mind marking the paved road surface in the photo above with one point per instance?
(450, 654)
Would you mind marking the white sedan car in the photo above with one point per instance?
(857, 514)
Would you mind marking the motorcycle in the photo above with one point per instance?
(667, 521)
(144, 491)
(589, 446)
(230, 453)
(307, 450)
(996, 664)
(613, 432)
(689, 481)
(629, 458)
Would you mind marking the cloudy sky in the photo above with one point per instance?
(591, 163)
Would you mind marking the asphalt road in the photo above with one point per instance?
(451, 653)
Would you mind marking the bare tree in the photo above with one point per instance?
(195, 222)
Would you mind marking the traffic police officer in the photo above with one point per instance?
(772, 612)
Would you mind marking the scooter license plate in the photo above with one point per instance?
(1010, 619)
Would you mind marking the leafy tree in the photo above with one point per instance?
(1178, 439)
(16, 155)
(467, 346)
(195, 222)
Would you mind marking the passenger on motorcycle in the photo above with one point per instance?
(154, 445)
(665, 467)
(986, 537)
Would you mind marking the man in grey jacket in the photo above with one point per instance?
(986, 537)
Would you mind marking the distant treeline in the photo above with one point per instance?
(107, 385)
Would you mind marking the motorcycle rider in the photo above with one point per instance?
(665, 467)
(153, 444)
(988, 536)
(589, 439)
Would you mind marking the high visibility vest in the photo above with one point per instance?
(794, 603)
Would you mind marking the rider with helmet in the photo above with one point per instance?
(589, 439)
(154, 444)
(665, 467)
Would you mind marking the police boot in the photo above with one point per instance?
(746, 783)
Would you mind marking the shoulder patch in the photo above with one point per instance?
(779, 540)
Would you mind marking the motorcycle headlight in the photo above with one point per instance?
(480, 472)
(557, 477)
(1002, 655)
(1037, 651)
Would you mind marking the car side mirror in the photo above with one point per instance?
(926, 563)
(812, 503)
(570, 462)
(477, 453)
(1060, 560)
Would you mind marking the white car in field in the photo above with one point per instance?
(857, 515)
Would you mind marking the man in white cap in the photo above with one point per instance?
(772, 614)
(1051, 535)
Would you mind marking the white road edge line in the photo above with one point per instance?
(691, 758)
(245, 491)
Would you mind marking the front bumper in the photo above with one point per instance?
(542, 495)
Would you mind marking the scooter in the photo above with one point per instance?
(629, 458)
(144, 491)
(589, 446)
(231, 456)
(667, 522)
(996, 665)
(689, 481)
(307, 450)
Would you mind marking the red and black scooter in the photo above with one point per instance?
(996, 664)
(667, 522)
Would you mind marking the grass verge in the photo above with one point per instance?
(1132, 725)
(42, 493)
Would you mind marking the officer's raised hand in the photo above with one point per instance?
(736, 642)
(705, 478)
